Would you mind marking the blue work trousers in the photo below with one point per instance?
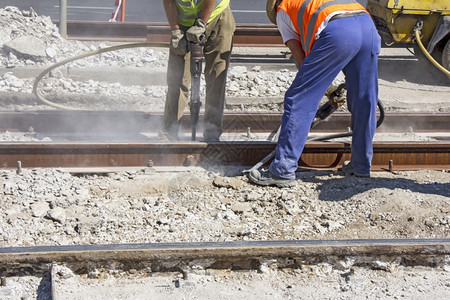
(350, 44)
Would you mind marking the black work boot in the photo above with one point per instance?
(267, 178)
(348, 170)
(211, 138)
(212, 134)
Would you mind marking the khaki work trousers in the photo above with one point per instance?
(217, 53)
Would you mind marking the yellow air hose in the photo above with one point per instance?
(98, 51)
(425, 52)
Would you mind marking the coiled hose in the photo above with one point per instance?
(87, 54)
(417, 30)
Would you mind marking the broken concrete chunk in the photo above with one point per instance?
(5, 36)
(227, 182)
(26, 46)
(57, 214)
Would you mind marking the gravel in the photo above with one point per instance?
(53, 207)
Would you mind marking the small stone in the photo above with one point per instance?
(239, 207)
(64, 272)
(226, 200)
(430, 223)
(50, 52)
(57, 214)
(227, 182)
(39, 209)
(94, 274)
(253, 196)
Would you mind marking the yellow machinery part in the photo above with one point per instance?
(415, 6)
(402, 16)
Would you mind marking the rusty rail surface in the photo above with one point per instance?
(117, 139)
(316, 155)
(245, 34)
(240, 255)
(254, 35)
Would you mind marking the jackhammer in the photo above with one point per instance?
(196, 50)
(335, 100)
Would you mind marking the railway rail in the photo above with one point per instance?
(245, 34)
(110, 139)
(237, 255)
(253, 35)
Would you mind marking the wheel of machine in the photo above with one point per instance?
(446, 56)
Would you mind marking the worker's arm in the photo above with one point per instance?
(207, 8)
(178, 42)
(297, 51)
(171, 13)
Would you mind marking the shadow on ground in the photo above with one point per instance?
(410, 69)
(344, 188)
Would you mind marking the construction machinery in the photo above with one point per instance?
(423, 23)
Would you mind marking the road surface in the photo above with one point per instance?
(245, 11)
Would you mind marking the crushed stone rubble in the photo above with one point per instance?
(53, 207)
(24, 31)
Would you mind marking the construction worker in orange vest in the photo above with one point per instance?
(191, 21)
(325, 37)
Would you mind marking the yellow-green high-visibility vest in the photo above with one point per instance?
(189, 10)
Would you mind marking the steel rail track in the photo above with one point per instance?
(245, 34)
(242, 255)
(253, 35)
(316, 155)
(114, 139)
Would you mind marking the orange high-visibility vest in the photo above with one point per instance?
(308, 15)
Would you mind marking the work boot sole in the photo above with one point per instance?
(256, 178)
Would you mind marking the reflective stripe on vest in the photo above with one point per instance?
(308, 15)
(189, 10)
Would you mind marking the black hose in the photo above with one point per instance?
(381, 117)
(346, 134)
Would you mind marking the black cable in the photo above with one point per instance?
(346, 134)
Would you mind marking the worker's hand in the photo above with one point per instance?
(178, 42)
(196, 33)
